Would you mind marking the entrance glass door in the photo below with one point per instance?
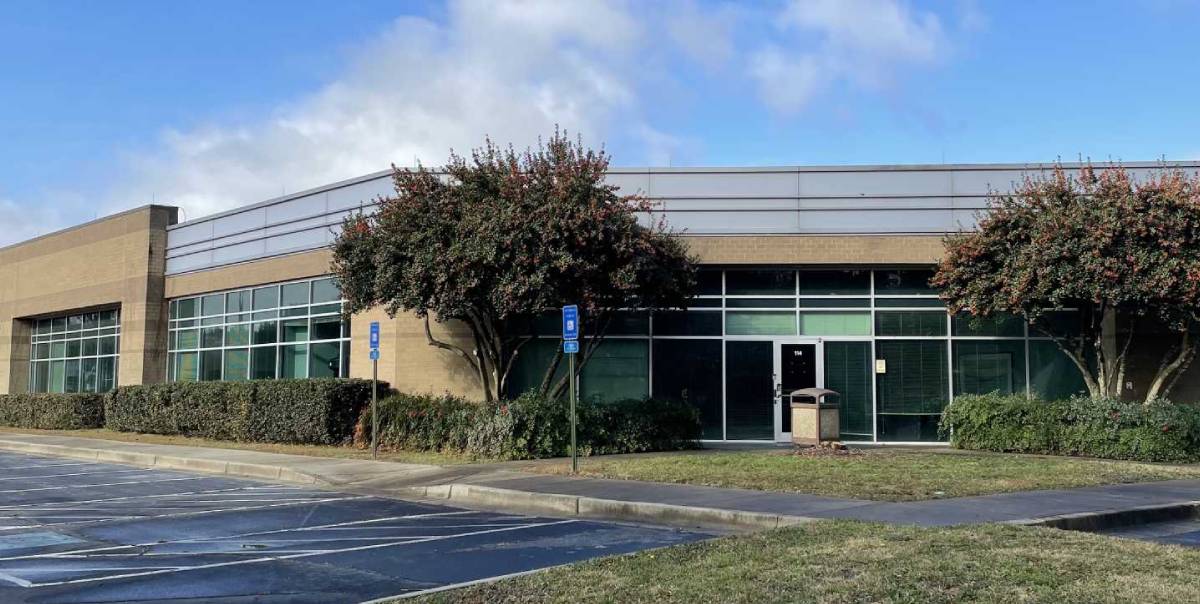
(798, 364)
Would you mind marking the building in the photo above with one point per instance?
(813, 276)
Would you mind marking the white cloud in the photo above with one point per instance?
(862, 42)
(20, 222)
(511, 70)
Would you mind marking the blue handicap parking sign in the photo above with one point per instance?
(571, 322)
(374, 335)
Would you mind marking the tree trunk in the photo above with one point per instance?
(1173, 364)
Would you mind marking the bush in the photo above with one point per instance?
(1112, 429)
(312, 411)
(52, 411)
(528, 427)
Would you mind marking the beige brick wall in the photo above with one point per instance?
(816, 249)
(410, 364)
(116, 261)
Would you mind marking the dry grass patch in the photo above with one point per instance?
(846, 561)
(885, 475)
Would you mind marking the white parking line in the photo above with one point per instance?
(42, 477)
(196, 513)
(234, 536)
(109, 484)
(299, 556)
(123, 498)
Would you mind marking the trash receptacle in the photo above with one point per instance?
(815, 417)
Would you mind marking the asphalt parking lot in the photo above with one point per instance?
(76, 531)
(1177, 532)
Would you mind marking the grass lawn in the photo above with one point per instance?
(315, 450)
(886, 475)
(845, 561)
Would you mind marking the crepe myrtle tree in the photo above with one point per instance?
(1102, 243)
(498, 238)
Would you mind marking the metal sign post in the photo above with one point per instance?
(571, 347)
(374, 389)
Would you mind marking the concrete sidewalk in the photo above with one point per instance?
(492, 487)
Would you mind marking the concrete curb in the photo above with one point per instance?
(169, 462)
(1106, 519)
(555, 504)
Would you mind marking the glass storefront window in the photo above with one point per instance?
(910, 323)
(760, 323)
(983, 366)
(1052, 375)
(241, 338)
(760, 283)
(75, 353)
(690, 371)
(835, 283)
(913, 389)
(835, 324)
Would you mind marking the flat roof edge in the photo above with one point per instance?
(89, 223)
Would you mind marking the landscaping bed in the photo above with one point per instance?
(334, 451)
(846, 561)
(885, 475)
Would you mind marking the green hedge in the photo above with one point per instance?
(52, 411)
(1112, 429)
(312, 411)
(529, 427)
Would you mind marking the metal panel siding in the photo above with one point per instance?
(844, 200)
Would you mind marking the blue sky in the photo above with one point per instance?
(105, 106)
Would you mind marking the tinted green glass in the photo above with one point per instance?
(187, 366)
(295, 330)
(237, 335)
(913, 389)
(848, 371)
(266, 298)
(908, 303)
(237, 365)
(1052, 375)
(903, 282)
(262, 363)
(910, 323)
(294, 294)
(760, 323)
(210, 365)
(264, 333)
(835, 324)
(685, 323)
(212, 305)
(323, 290)
(835, 282)
(324, 360)
(327, 328)
(618, 369)
(983, 366)
(211, 337)
(690, 371)
(759, 282)
(1005, 326)
(293, 361)
(750, 400)
(187, 339)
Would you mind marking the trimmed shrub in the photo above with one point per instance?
(528, 427)
(312, 411)
(52, 411)
(1112, 429)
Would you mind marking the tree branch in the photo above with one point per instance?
(444, 346)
